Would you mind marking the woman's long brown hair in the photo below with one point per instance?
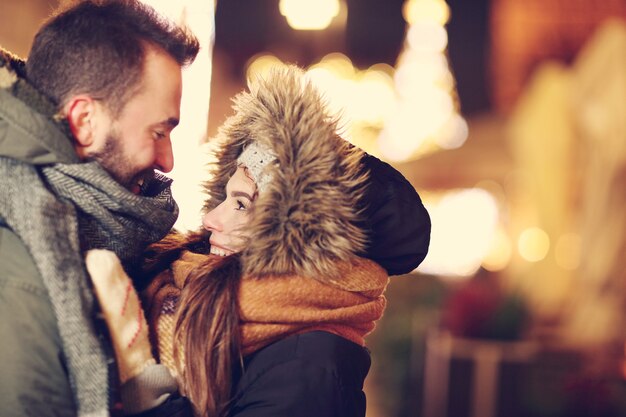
(207, 336)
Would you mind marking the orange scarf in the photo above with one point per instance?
(274, 307)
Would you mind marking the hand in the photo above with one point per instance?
(122, 311)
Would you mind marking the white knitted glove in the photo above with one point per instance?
(122, 311)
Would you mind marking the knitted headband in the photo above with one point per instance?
(256, 158)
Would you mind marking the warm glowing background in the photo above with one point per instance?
(509, 118)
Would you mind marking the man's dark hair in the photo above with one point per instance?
(99, 47)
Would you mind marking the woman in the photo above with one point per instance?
(265, 311)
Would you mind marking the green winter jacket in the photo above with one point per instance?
(33, 381)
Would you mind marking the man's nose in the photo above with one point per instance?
(164, 160)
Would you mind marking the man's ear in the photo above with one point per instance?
(82, 113)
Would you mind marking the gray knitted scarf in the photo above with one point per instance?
(61, 210)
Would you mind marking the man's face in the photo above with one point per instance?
(138, 140)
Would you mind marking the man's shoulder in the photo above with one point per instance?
(16, 263)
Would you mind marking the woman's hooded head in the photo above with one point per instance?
(305, 215)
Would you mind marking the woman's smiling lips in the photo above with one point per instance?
(220, 250)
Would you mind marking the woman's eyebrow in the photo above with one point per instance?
(241, 194)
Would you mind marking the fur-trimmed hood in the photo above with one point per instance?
(307, 218)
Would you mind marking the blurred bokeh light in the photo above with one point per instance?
(309, 15)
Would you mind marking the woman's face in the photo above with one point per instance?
(227, 222)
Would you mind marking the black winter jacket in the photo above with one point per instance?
(314, 374)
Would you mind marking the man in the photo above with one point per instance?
(83, 125)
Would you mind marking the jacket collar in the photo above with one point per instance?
(30, 128)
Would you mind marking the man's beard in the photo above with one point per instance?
(113, 159)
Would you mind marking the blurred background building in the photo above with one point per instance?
(509, 118)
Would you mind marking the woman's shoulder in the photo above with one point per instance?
(317, 351)
(309, 374)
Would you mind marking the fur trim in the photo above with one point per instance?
(11, 68)
(306, 218)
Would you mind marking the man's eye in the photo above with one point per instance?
(158, 135)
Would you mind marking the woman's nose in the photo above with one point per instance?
(211, 221)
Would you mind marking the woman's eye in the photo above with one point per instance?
(240, 206)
